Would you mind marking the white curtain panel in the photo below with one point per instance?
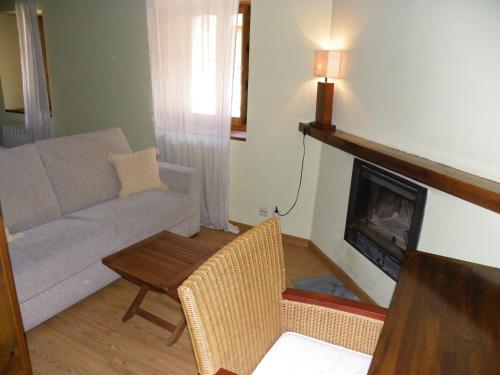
(192, 48)
(36, 100)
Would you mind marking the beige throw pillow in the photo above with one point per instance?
(138, 171)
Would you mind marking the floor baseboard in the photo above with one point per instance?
(311, 246)
(340, 273)
(292, 240)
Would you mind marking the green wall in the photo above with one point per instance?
(98, 63)
(99, 67)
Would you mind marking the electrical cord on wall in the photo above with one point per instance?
(276, 211)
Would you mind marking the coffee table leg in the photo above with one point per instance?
(135, 309)
(136, 303)
(177, 332)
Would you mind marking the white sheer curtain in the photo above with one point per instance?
(192, 46)
(36, 100)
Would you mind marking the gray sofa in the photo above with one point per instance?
(63, 195)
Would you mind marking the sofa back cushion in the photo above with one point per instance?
(26, 195)
(79, 170)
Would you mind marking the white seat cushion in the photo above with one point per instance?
(295, 354)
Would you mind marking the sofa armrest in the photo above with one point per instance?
(185, 180)
(179, 178)
(350, 324)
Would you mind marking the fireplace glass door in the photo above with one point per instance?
(384, 216)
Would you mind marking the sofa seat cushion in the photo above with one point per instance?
(79, 169)
(26, 194)
(140, 215)
(295, 354)
(50, 253)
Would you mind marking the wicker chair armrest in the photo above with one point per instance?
(338, 303)
(350, 324)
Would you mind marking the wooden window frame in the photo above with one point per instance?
(239, 124)
(41, 28)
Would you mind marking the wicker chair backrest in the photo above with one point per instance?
(232, 302)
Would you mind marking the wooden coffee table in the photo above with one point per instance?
(159, 264)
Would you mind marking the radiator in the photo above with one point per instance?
(13, 136)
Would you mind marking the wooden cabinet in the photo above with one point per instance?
(443, 319)
(14, 357)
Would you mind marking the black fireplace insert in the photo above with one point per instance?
(384, 217)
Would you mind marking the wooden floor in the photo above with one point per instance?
(90, 338)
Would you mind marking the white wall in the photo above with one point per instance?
(282, 92)
(423, 77)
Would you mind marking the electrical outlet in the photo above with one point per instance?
(263, 211)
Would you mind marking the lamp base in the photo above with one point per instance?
(324, 105)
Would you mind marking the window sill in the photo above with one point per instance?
(238, 135)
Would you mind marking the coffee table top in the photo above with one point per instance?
(162, 261)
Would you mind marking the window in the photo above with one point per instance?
(240, 90)
(203, 67)
(10, 63)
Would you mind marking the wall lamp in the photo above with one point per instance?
(326, 65)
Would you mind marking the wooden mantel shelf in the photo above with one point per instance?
(472, 188)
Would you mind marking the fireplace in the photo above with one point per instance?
(384, 216)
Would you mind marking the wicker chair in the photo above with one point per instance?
(236, 307)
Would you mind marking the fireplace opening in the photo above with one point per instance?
(384, 217)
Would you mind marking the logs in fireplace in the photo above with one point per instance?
(384, 217)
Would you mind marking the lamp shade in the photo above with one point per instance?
(327, 63)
